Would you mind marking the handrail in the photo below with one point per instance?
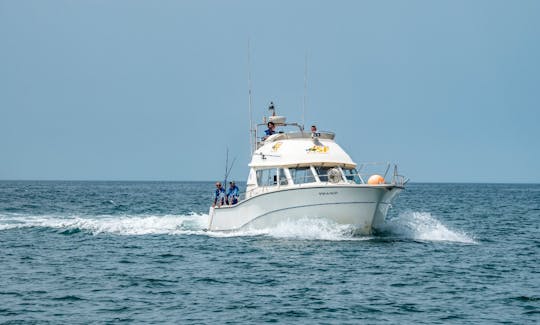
(281, 135)
(397, 179)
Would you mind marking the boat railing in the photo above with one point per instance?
(241, 197)
(296, 133)
(368, 169)
(397, 179)
(265, 189)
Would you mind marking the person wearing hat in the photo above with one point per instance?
(219, 197)
(232, 194)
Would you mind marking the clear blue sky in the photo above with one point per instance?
(155, 90)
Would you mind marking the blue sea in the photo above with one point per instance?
(112, 252)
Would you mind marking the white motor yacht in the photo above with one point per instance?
(299, 174)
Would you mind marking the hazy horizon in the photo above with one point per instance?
(240, 181)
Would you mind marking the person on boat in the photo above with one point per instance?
(232, 194)
(219, 197)
(314, 132)
(271, 130)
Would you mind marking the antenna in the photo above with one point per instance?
(305, 93)
(252, 134)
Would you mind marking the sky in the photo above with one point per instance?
(157, 90)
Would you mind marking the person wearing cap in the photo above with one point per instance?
(219, 197)
(232, 194)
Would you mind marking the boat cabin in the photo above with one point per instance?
(298, 158)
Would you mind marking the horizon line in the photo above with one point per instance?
(211, 181)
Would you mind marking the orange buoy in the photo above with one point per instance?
(375, 179)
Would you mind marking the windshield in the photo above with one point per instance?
(352, 176)
(302, 175)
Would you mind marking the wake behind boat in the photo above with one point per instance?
(299, 174)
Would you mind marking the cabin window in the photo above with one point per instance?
(270, 177)
(323, 173)
(329, 174)
(302, 175)
(352, 176)
(282, 177)
(267, 177)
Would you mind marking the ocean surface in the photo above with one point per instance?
(137, 252)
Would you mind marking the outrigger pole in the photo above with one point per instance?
(305, 94)
(252, 134)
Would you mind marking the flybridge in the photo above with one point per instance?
(282, 134)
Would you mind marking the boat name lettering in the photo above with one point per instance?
(328, 193)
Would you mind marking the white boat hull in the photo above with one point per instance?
(361, 206)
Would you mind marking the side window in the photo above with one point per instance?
(329, 174)
(323, 173)
(352, 176)
(302, 175)
(267, 177)
(282, 177)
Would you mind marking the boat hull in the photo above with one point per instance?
(360, 206)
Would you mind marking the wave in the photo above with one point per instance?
(304, 228)
(191, 224)
(120, 225)
(423, 226)
(409, 225)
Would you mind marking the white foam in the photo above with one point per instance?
(413, 225)
(304, 228)
(423, 226)
(122, 225)
(191, 224)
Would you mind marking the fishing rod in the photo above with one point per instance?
(227, 169)
(252, 132)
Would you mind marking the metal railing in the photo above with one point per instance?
(369, 169)
(365, 171)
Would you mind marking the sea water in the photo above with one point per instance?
(107, 252)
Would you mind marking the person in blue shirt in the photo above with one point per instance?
(232, 194)
(219, 197)
(270, 131)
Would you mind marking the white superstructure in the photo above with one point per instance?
(302, 174)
